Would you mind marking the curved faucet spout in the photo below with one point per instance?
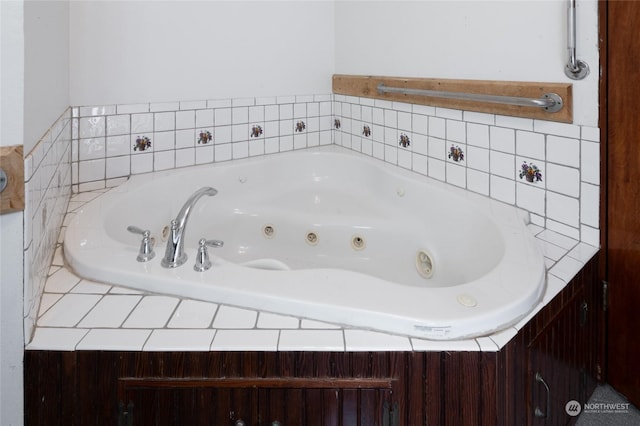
(174, 255)
(184, 212)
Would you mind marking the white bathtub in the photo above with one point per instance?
(375, 226)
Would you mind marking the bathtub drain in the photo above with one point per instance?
(424, 264)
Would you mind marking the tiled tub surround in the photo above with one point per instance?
(47, 192)
(415, 137)
(564, 205)
(77, 314)
(183, 134)
(421, 138)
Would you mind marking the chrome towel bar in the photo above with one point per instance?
(550, 102)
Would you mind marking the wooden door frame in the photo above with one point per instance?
(603, 116)
(607, 186)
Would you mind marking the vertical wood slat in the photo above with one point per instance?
(434, 396)
(331, 407)
(350, 415)
(487, 375)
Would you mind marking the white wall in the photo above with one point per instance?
(150, 51)
(515, 40)
(11, 225)
(179, 50)
(46, 66)
(35, 92)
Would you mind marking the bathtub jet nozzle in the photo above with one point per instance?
(174, 254)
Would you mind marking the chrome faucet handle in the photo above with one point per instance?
(146, 252)
(202, 256)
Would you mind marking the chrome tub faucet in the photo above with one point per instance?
(174, 255)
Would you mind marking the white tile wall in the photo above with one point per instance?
(47, 192)
(566, 200)
(105, 136)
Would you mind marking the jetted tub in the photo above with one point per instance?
(326, 234)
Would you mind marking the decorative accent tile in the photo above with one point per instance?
(366, 131)
(337, 124)
(456, 153)
(404, 140)
(300, 126)
(142, 143)
(205, 137)
(530, 172)
(256, 131)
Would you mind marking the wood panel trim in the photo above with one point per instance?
(12, 162)
(366, 86)
(256, 382)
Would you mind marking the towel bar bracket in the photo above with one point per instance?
(580, 71)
